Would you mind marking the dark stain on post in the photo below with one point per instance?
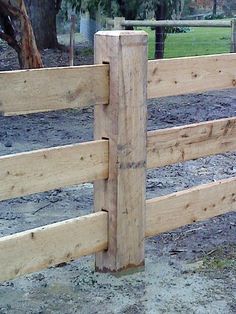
(68, 255)
(228, 125)
(210, 132)
(132, 165)
(154, 71)
(73, 96)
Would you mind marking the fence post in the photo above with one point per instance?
(118, 23)
(72, 39)
(109, 24)
(233, 35)
(123, 122)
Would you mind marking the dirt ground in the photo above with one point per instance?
(189, 270)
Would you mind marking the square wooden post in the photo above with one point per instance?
(123, 122)
(233, 35)
(118, 23)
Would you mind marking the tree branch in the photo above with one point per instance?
(10, 41)
(9, 8)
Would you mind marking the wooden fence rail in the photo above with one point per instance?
(121, 21)
(186, 207)
(52, 89)
(41, 170)
(178, 144)
(168, 77)
(171, 77)
(116, 161)
(43, 247)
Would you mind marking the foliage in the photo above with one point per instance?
(127, 8)
(91, 5)
(215, 17)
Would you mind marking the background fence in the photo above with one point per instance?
(117, 159)
(186, 37)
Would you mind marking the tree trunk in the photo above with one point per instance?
(13, 14)
(214, 7)
(43, 18)
(29, 56)
(159, 42)
(161, 11)
(129, 10)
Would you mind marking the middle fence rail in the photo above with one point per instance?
(116, 161)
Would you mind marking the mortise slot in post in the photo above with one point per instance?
(107, 63)
(107, 212)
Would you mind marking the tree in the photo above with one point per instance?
(43, 18)
(92, 6)
(129, 9)
(163, 10)
(214, 8)
(126, 8)
(17, 31)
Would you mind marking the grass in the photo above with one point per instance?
(217, 263)
(221, 258)
(198, 41)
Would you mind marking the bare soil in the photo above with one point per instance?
(189, 270)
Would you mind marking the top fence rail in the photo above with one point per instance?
(82, 86)
(39, 90)
(174, 23)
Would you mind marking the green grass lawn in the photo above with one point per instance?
(198, 41)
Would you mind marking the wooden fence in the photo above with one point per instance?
(120, 23)
(117, 159)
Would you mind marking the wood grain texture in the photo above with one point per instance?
(179, 76)
(178, 144)
(43, 247)
(123, 122)
(47, 169)
(172, 211)
(29, 91)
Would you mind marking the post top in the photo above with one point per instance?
(119, 33)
